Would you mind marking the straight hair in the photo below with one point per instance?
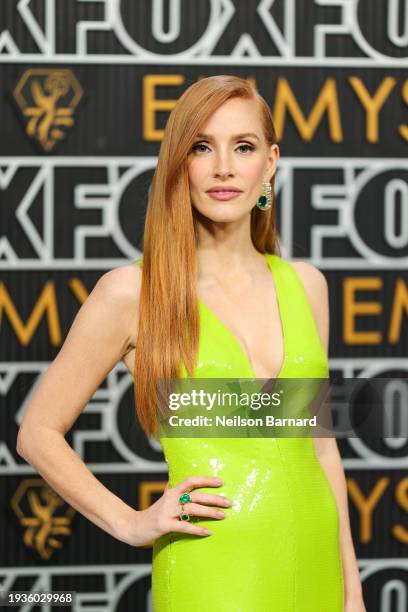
(169, 320)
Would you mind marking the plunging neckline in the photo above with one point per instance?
(235, 339)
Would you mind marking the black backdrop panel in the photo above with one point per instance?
(87, 88)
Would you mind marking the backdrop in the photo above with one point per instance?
(87, 87)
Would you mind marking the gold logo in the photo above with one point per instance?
(36, 506)
(47, 99)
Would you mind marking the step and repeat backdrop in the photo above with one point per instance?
(86, 89)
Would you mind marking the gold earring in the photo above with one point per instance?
(265, 199)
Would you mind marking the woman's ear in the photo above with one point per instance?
(273, 159)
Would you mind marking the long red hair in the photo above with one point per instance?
(169, 321)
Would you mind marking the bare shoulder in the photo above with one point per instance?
(123, 282)
(317, 291)
(122, 286)
(312, 278)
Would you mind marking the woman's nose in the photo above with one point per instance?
(223, 166)
(223, 173)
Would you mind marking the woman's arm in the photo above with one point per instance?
(326, 448)
(100, 335)
(330, 460)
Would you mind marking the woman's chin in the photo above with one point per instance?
(223, 212)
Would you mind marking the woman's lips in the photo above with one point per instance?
(223, 195)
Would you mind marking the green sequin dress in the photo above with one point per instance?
(278, 549)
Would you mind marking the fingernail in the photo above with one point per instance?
(207, 531)
(220, 480)
(227, 502)
(220, 513)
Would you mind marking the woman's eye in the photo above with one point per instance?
(251, 147)
(194, 148)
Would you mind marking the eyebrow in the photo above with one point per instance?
(236, 137)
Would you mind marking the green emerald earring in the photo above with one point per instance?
(265, 199)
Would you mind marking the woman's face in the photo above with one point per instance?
(222, 156)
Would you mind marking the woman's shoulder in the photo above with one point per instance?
(124, 282)
(317, 291)
(310, 275)
(312, 278)
(122, 286)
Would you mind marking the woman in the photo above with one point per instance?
(283, 542)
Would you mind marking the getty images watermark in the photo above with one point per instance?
(283, 407)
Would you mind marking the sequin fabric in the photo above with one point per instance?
(278, 548)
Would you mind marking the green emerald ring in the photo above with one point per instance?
(184, 498)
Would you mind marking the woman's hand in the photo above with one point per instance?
(355, 604)
(144, 526)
